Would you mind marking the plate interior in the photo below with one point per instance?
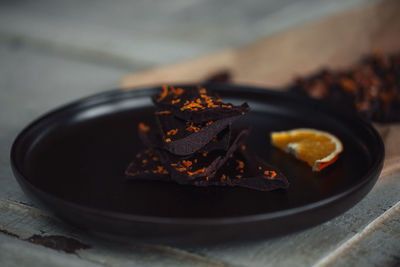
(79, 154)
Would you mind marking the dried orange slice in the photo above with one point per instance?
(318, 148)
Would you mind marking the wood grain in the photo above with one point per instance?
(335, 42)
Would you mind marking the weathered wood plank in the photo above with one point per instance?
(152, 33)
(308, 247)
(32, 83)
(21, 101)
(14, 252)
(276, 60)
(382, 234)
(304, 248)
(24, 221)
(65, 79)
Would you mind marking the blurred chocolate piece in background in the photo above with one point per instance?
(371, 87)
(222, 76)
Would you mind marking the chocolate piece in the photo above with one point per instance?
(200, 164)
(218, 142)
(202, 151)
(371, 87)
(182, 170)
(220, 77)
(153, 140)
(247, 170)
(196, 104)
(243, 169)
(147, 166)
(184, 138)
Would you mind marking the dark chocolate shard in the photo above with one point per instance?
(200, 164)
(221, 76)
(193, 144)
(246, 170)
(185, 138)
(147, 166)
(219, 142)
(196, 104)
(371, 87)
(239, 168)
(153, 140)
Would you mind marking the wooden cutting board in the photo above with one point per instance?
(334, 42)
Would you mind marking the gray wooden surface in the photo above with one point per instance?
(53, 52)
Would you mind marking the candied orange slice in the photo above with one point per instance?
(318, 148)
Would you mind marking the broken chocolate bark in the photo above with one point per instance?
(196, 104)
(247, 170)
(202, 152)
(371, 87)
(200, 164)
(242, 169)
(222, 76)
(153, 140)
(147, 166)
(184, 138)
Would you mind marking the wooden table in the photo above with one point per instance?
(35, 77)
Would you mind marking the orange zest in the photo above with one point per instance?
(192, 128)
(164, 112)
(202, 90)
(143, 127)
(191, 106)
(166, 91)
(160, 169)
(272, 174)
(180, 169)
(172, 132)
(197, 171)
(176, 91)
(163, 94)
(240, 164)
(187, 163)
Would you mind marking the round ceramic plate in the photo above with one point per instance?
(72, 161)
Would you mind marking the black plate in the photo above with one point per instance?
(72, 161)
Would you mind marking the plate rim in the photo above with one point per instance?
(375, 168)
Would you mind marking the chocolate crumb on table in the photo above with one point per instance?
(220, 76)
